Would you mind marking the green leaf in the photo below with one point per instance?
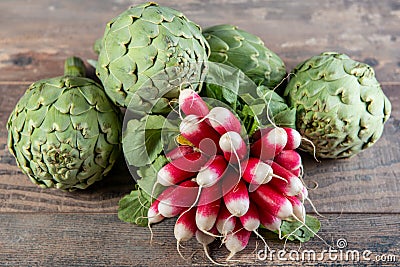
(144, 139)
(133, 208)
(149, 176)
(294, 231)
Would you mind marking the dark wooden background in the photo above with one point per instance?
(359, 196)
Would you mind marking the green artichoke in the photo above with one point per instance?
(245, 51)
(340, 105)
(152, 43)
(64, 132)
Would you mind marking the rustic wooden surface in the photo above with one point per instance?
(358, 196)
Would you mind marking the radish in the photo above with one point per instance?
(269, 221)
(297, 172)
(291, 187)
(192, 104)
(205, 239)
(233, 147)
(256, 172)
(275, 203)
(185, 227)
(208, 207)
(153, 215)
(237, 240)
(223, 120)
(251, 221)
(303, 195)
(261, 132)
(225, 221)
(298, 208)
(177, 200)
(212, 172)
(236, 199)
(181, 169)
(270, 144)
(179, 152)
(289, 159)
(293, 139)
(200, 134)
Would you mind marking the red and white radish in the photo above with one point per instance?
(179, 152)
(212, 172)
(298, 208)
(178, 199)
(237, 240)
(200, 134)
(268, 220)
(250, 220)
(256, 171)
(275, 203)
(223, 120)
(269, 145)
(233, 147)
(293, 139)
(192, 104)
(181, 169)
(289, 159)
(205, 239)
(237, 199)
(185, 227)
(291, 186)
(225, 221)
(153, 215)
(208, 207)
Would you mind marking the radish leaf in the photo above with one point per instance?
(133, 208)
(294, 231)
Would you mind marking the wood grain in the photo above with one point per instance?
(54, 228)
(43, 33)
(102, 240)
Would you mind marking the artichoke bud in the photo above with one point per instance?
(64, 132)
(340, 105)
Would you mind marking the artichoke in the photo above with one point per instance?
(152, 43)
(245, 51)
(340, 105)
(64, 132)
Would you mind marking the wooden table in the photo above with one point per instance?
(359, 197)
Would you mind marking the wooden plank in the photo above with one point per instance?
(40, 34)
(102, 240)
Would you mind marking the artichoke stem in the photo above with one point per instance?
(75, 67)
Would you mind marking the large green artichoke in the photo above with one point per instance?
(340, 105)
(64, 132)
(153, 46)
(247, 52)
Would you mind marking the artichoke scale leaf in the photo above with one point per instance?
(55, 120)
(148, 31)
(178, 27)
(96, 98)
(102, 150)
(71, 102)
(88, 128)
(109, 125)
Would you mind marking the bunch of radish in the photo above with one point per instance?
(225, 185)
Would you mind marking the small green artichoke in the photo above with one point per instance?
(340, 105)
(152, 43)
(64, 132)
(247, 52)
